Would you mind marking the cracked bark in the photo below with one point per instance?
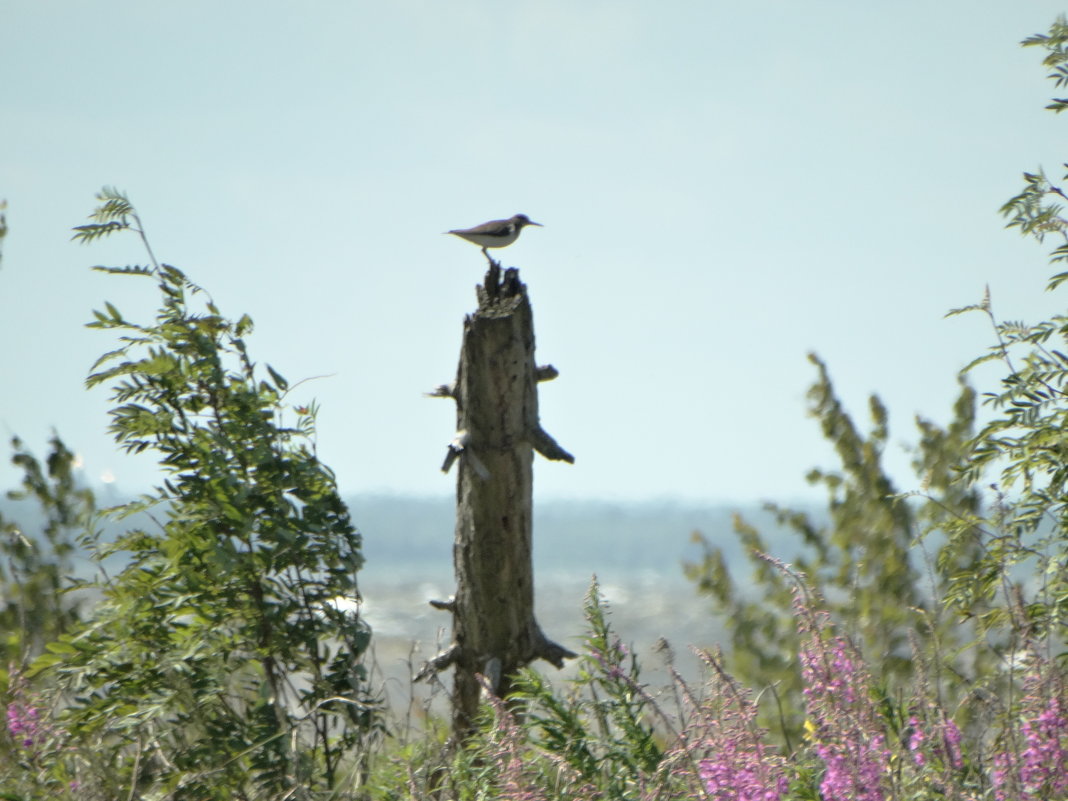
(494, 629)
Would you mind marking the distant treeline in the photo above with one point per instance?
(583, 536)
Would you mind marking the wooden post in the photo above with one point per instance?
(494, 629)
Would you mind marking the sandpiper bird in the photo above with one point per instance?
(496, 233)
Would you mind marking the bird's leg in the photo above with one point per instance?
(489, 258)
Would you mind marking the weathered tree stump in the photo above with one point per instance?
(498, 430)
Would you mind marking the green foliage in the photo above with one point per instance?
(1022, 445)
(601, 735)
(594, 738)
(864, 560)
(35, 608)
(1033, 210)
(603, 729)
(861, 558)
(1056, 45)
(224, 660)
(115, 213)
(1027, 530)
(34, 572)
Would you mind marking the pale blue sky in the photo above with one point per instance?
(724, 187)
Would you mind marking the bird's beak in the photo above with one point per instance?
(537, 224)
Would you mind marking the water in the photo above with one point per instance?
(635, 550)
(643, 607)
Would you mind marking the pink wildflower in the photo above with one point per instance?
(916, 738)
(23, 724)
(934, 737)
(951, 737)
(515, 781)
(731, 778)
(1044, 766)
(1033, 766)
(734, 763)
(847, 728)
(24, 721)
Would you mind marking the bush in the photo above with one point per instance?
(224, 659)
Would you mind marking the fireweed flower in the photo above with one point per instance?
(846, 727)
(611, 663)
(1033, 764)
(915, 741)
(723, 740)
(951, 739)
(739, 769)
(934, 737)
(25, 723)
(504, 748)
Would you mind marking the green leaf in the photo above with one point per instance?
(89, 233)
(132, 269)
(279, 382)
(219, 584)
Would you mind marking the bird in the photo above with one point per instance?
(495, 233)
